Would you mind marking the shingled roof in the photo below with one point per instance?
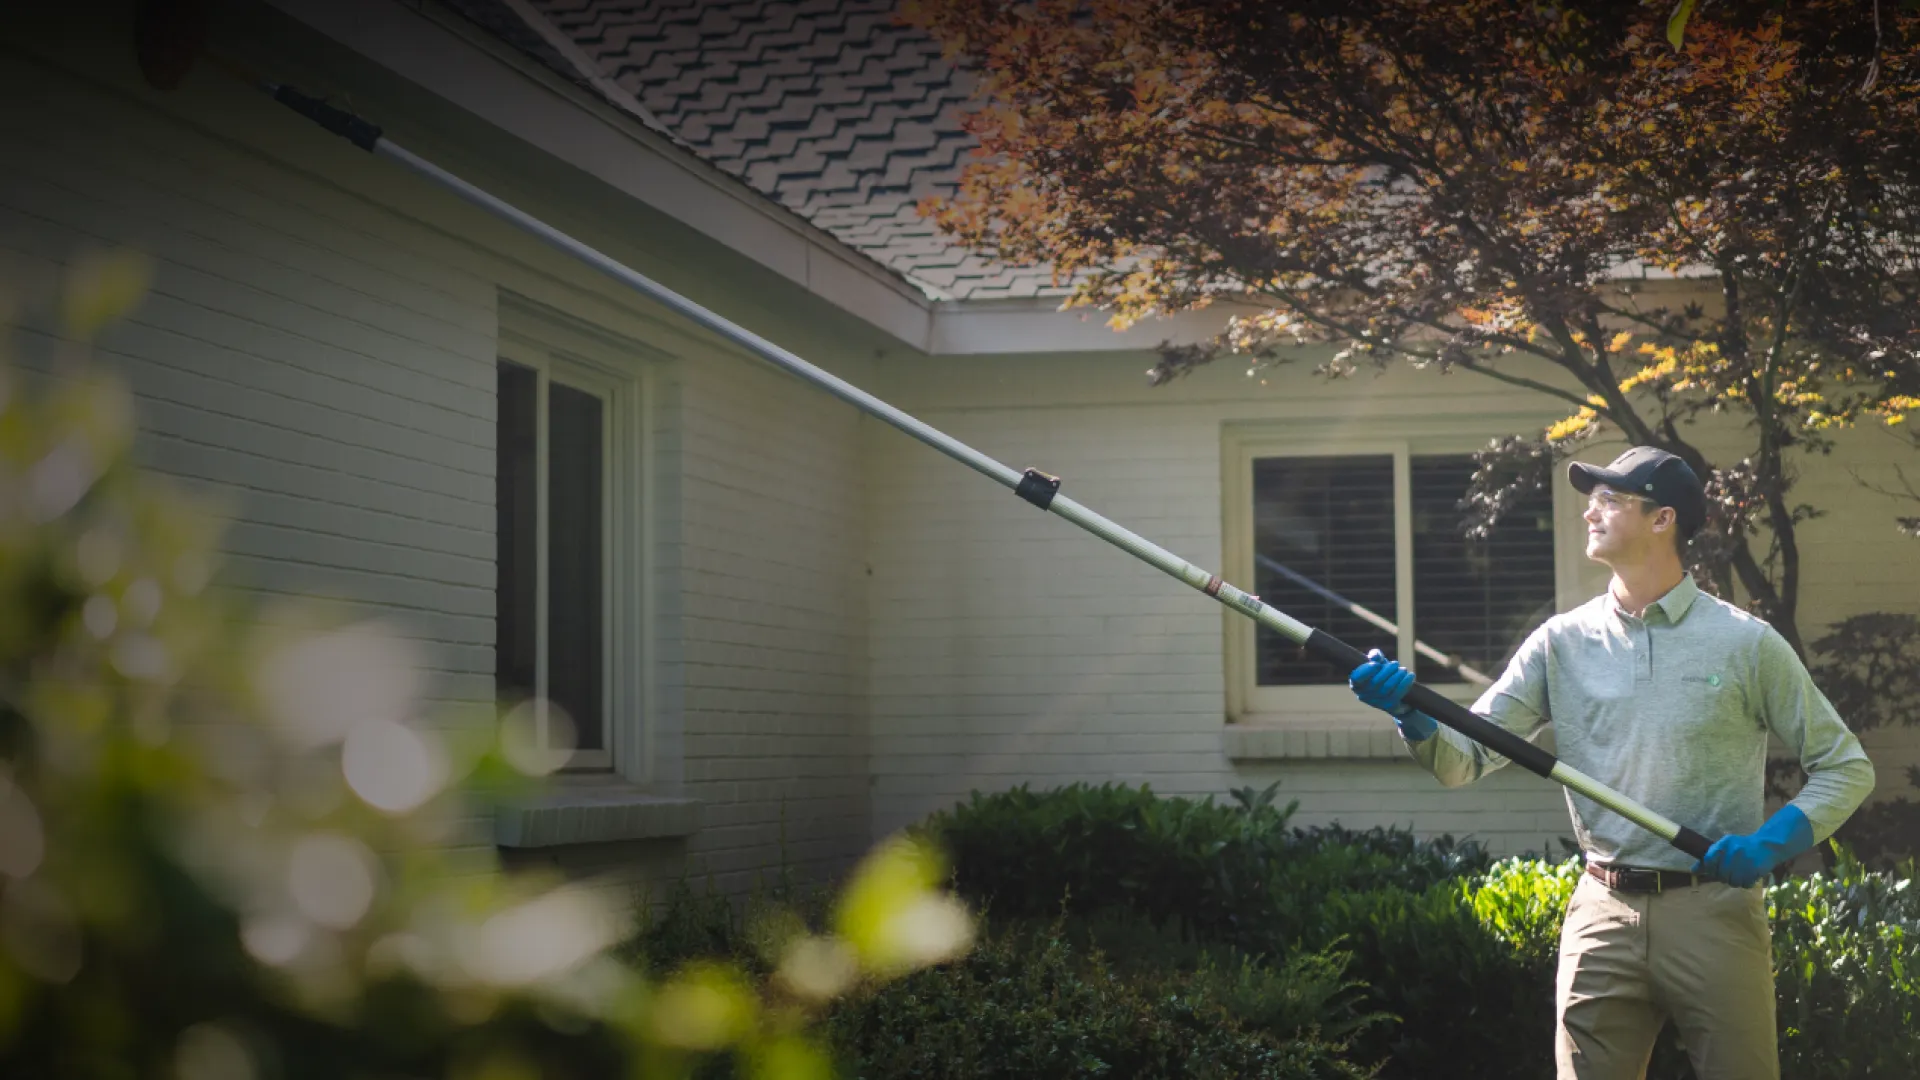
(828, 107)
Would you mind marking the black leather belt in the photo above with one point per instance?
(1636, 879)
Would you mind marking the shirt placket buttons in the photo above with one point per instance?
(1641, 646)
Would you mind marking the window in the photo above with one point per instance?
(554, 505)
(1323, 539)
(1367, 546)
(1475, 600)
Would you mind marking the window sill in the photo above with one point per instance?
(1257, 741)
(583, 810)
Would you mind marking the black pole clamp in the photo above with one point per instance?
(361, 133)
(1038, 488)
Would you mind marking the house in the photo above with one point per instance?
(782, 628)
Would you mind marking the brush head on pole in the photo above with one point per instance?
(168, 38)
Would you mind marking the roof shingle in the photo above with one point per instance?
(829, 107)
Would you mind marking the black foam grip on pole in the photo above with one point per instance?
(360, 133)
(1692, 843)
(1446, 711)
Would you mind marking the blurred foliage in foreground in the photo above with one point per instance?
(240, 843)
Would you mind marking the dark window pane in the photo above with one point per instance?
(516, 566)
(1329, 521)
(575, 583)
(1475, 601)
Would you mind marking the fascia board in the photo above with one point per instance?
(997, 327)
(534, 105)
(1001, 327)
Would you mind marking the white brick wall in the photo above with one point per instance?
(1010, 647)
(774, 622)
(319, 350)
(347, 425)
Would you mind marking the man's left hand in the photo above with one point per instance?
(1741, 861)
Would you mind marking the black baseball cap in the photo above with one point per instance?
(1652, 473)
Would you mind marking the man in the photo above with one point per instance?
(1666, 695)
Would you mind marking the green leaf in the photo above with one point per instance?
(1677, 25)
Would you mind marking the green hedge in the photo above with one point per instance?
(1846, 949)
(1028, 1004)
(1460, 949)
(1043, 998)
(1138, 936)
(1237, 873)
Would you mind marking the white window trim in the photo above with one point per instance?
(1334, 708)
(621, 373)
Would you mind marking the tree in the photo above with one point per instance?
(1458, 184)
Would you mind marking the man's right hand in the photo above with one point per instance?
(1383, 684)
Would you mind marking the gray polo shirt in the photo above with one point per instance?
(1672, 710)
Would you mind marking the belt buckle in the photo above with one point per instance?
(1632, 879)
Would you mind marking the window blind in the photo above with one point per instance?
(1476, 600)
(1330, 520)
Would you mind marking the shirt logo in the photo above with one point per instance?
(1710, 680)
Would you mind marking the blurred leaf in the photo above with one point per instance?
(102, 288)
(1677, 23)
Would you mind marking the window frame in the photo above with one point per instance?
(573, 356)
(1334, 706)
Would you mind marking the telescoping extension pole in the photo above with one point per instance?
(1032, 485)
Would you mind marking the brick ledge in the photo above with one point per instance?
(593, 811)
(1268, 742)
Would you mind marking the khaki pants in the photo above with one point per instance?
(1702, 955)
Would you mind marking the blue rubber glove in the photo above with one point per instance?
(1383, 684)
(1742, 860)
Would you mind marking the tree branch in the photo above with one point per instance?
(1664, 329)
(1521, 380)
(1268, 151)
(1595, 377)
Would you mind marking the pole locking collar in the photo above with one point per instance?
(1038, 488)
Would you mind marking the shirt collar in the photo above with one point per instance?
(1674, 604)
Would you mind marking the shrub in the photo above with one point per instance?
(1303, 993)
(1466, 966)
(1308, 994)
(1437, 946)
(687, 926)
(1018, 853)
(1236, 873)
(1846, 949)
(1094, 977)
(1027, 1004)
(1459, 951)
